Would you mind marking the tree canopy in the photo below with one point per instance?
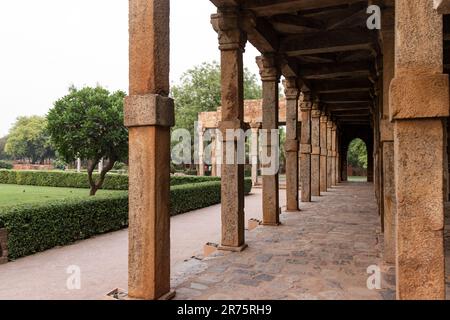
(3, 155)
(357, 154)
(88, 123)
(29, 139)
(200, 91)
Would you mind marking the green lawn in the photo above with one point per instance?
(14, 195)
(357, 179)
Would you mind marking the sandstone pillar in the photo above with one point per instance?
(218, 153)
(333, 154)
(329, 152)
(270, 77)
(149, 114)
(387, 143)
(338, 157)
(305, 146)
(323, 152)
(201, 151)
(231, 44)
(419, 101)
(255, 152)
(78, 165)
(370, 161)
(315, 150)
(292, 93)
(213, 154)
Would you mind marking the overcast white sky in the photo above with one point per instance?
(47, 45)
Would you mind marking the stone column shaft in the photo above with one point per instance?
(255, 153)
(270, 78)
(305, 147)
(213, 155)
(333, 155)
(149, 150)
(78, 165)
(387, 146)
(201, 152)
(292, 144)
(218, 152)
(231, 44)
(329, 153)
(419, 100)
(338, 157)
(323, 152)
(315, 150)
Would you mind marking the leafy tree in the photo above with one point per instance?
(200, 91)
(29, 139)
(88, 123)
(357, 154)
(3, 155)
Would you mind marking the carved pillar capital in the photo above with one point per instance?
(316, 113)
(268, 67)
(227, 25)
(306, 101)
(291, 88)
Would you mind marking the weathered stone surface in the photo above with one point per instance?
(426, 95)
(442, 6)
(292, 144)
(323, 153)
(305, 147)
(420, 209)
(270, 77)
(323, 255)
(419, 172)
(149, 152)
(149, 110)
(389, 202)
(329, 153)
(315, 154)
(231, 43)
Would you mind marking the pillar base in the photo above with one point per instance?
(233, 249)
(292, 210)
(271, 224)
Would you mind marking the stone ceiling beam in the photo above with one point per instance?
(333, 70)
(329, 41)
(273, 7)
(339, 86)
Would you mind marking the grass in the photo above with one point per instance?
(357, 179)
(11, 195)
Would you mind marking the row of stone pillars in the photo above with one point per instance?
(413, 153)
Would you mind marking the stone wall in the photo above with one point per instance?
(32, 167)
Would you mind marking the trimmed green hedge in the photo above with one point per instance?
(5, 165)
(80, 180)
(35, 228)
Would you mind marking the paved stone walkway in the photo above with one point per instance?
(322, 252)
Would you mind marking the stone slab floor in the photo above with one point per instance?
(320, 253)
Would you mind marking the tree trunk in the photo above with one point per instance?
(96, 185)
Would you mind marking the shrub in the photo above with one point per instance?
(5, 165)
(35, 228)
(80, 180)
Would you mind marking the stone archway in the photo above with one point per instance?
(356, 166)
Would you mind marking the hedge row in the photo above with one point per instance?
(5, 165)
(80, 180)
(35, 228)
